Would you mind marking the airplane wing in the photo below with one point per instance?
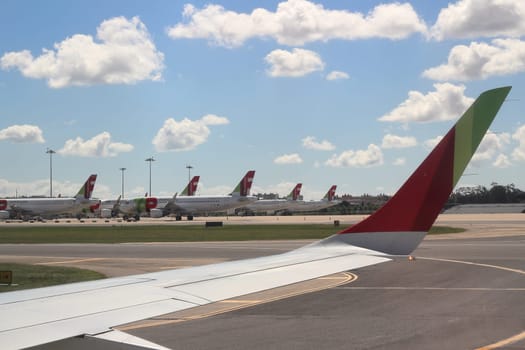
(70, 315)
(171, 206)
(93, 308)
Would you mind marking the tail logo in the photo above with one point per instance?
(331, 193)
(296, 192)
(193, 186)
(246, 183)
(3, 204)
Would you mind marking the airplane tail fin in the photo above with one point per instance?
(191, 188)
(330, 195)
(296, 192)
(244, 187)
(399, 226)
(86, 190)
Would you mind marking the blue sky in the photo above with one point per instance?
(350, 93)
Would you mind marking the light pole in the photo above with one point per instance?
(150, 160)
(122, 194)
(189, 167)
(50, 152)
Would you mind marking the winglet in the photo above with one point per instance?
(415, 206)
(245, 185)
(86, 190)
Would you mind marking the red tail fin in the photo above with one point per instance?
(330, 195)
(86, 190)
(296, 192)
(415, 206)
(244, 187)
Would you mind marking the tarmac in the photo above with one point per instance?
(463, 291)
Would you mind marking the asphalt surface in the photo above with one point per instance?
(461, 292)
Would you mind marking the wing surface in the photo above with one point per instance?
(93, 308)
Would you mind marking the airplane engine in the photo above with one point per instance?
(3, 204)
(105, 213)
(4, 214)
(155, 213)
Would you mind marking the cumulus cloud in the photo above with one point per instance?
(519, 152)
(337, 75)
(22, 134)
(297, 63)
(488, 148)
(97, 146)
(293, 158)
(124, 54)
(295, 23)
(445, 103)
(502, 161)
(41, 188)
(399, 161)
(370, 157)
(186, 134)
(394, 141)
(431, 143)
(481, 61)
(480, 18)
(310, 142)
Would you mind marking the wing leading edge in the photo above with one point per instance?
(88, 310)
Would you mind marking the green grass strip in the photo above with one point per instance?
(34, 276)
(171, 233)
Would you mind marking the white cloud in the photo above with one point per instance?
(297, 63)
(295, 23)
(370, 157)
(446, 103)
(98, 146)
(22, 134)
(337, 75)
(41, 188)
(293, 158)
(399, 161)
(519, 152)
(125, 54)
(186, 134)
(481, 60)
(480, 18)
(431, 143)
(502, 161)
(490, 145)
(309, 142)
(394, 141)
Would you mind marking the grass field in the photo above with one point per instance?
(167, 233)
(34, 276)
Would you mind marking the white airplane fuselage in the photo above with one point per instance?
(269, 205)
(49, 206)
(312, 205)
(206, 204)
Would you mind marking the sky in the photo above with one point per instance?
(352, 93)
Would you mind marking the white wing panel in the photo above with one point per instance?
(48, 314)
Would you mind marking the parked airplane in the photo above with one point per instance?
(192, 205)
(80, 204)
(270, 206)
(134, 207)
(137, 207)
(327, 201)
(87, 313)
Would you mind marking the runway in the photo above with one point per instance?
(464, 291)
